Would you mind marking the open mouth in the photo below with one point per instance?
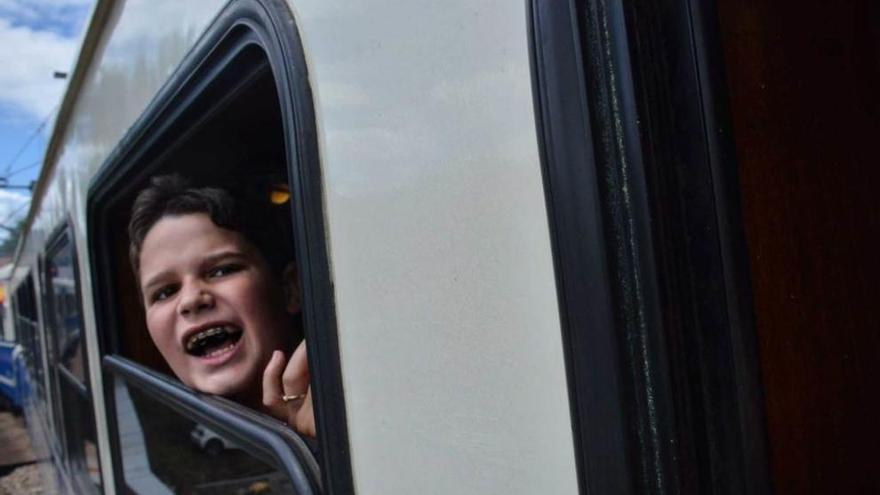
(213, 341)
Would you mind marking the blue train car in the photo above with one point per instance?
(12, 379)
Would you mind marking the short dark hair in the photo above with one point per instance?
(230, 207)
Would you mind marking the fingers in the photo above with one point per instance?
(290, 378)
(304, 421)
(296, 381)
(296, 374)
(272, 380)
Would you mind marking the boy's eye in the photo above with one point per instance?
(222, 270)
(162, 293)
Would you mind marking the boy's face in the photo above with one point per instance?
(213, 308)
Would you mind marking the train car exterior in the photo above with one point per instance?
(417, 149)
(514, 222)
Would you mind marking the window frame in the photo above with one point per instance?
(176, 111)
(655, 305)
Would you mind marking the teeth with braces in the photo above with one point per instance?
(196, 339)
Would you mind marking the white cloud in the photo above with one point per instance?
(41, 10)
(33, 48)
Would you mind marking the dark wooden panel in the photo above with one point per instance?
(804, 79)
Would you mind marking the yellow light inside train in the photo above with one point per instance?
(279, 194)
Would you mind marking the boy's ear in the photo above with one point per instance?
(290, 286)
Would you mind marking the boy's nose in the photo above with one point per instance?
(194, 299)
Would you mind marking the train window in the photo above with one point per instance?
(166, 452)
(69, 370)
(239, 150)
(224, 121)
(229, 450)
(27, 327)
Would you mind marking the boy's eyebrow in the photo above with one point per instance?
(214, 258)
(154, 280)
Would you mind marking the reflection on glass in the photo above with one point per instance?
(67, 320)
(33, 356)
(75, 417)
(92, 465)
(80, 437)
(165, 452)
(26, 324)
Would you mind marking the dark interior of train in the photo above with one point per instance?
(241, 139)
(803, 79)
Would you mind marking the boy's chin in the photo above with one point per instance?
(226, 386)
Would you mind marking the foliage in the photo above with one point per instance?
(7, 246)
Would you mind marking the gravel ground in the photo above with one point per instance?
(24, 480)
(15, 450)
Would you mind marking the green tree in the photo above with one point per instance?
(7, 246)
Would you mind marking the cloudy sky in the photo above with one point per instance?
(37, 38)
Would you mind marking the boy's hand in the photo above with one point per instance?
(290, 379)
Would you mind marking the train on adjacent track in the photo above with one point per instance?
(13, 381)
(517, 224)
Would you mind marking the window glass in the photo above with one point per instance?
(75, 419)
(165, 452)
(26, 324)
(65, 313)
(81, 439)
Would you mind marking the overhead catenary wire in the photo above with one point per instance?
(22, 169)
(29, 140)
